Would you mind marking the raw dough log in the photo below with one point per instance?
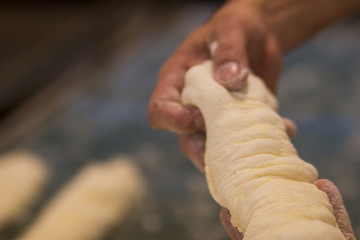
(251, 166)
(101, 196)
(22, 178)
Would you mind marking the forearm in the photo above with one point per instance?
(295, 21)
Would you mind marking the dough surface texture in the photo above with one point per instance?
(101, 196)
(251, 166)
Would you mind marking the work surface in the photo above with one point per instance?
(319, 89)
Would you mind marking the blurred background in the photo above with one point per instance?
(76, 77)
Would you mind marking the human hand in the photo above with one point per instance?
(237, 39)
(241, 35)
(335, 199)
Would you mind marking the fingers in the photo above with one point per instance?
(290, 127)
(228, 50)
(172, 116)
(341, 215)
(165, 110)
(231, 230)
(193, 146)
(268, 65)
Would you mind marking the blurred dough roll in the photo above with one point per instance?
(100, 196)
(22, 177)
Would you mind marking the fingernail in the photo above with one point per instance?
(229, 77)
(227, 71)
(213, 47)
(240, 81)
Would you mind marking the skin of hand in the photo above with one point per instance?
(242, 35)
(236, 39)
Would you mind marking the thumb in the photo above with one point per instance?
(228, 51)
(340, 213)
(231, 230)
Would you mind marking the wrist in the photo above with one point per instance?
(292, 21)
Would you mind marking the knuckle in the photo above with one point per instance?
(231, 22)
(153, 123)
(226, 48)
(153, 115)
(235, 20)
(227, 51)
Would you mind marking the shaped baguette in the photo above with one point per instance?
(100, 196)
(22, 178)
(251, 166)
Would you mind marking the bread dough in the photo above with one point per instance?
(22, 178)
(251, 166)
(100, 196)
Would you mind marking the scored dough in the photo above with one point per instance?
(251, 166)
(101, 195)
(22, 178)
